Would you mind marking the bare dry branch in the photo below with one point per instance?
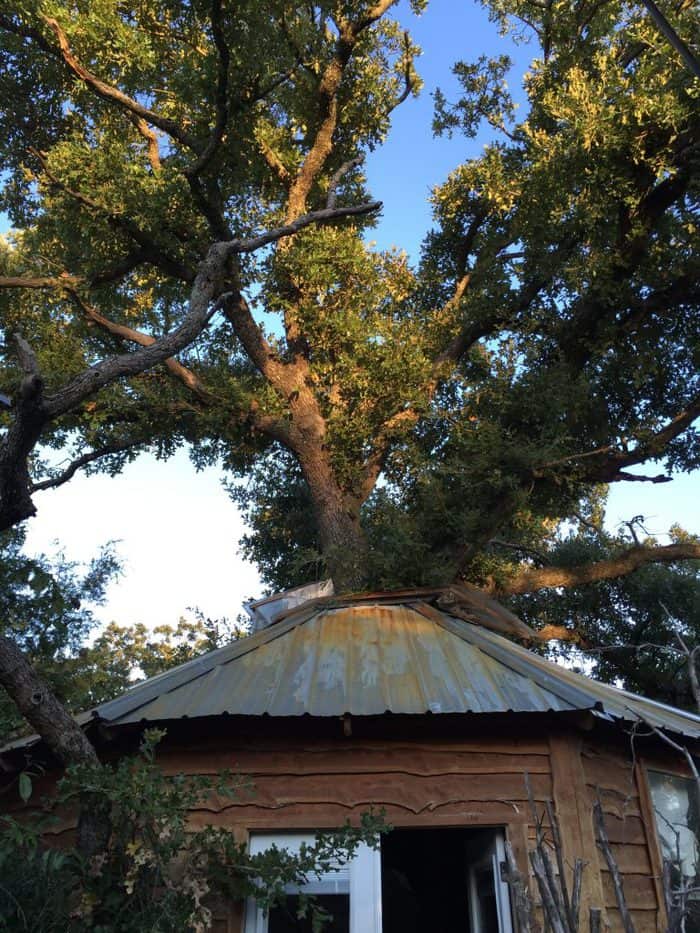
(681, 749)
(613, 868)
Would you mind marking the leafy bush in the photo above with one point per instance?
(155, 875)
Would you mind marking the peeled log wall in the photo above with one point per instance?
(479, 781)
(612, 776)
(303, 781)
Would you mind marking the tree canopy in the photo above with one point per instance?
(397, 422)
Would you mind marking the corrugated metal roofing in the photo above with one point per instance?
(369, 659)
(366, 659)
(363, 660)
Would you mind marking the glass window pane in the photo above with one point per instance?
(486, 892)
(677, 824)
(283, 919)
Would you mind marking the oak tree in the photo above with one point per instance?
(397, 422)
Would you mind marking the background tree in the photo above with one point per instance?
(546, 339)
(46, 610)
(545, 343)
(47, 607)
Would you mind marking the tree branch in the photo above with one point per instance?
(114, 95)
(221, 99)
(407, 75)
(691, 62)
(70, 471)
(151, 141)
(36, 282)
(275, 163)
(182, 373)
(328, 87)
(59, 730)
(33, 411)
(373, 14)
(324, 215)
(151, 249)
(530, 580)
(67, 280)
(346, 167)
(519, 549)
(606, 464)
(623, 476)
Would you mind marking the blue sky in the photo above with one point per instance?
(178, 530)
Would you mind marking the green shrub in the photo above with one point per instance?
(155, 875)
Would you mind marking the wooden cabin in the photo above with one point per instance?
(427, 704)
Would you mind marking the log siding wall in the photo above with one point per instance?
(471, 782)
(612, 776)
(299, 782)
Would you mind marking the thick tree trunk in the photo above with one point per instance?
(60, 731)
(343, 543)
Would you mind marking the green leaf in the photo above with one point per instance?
(25, 786)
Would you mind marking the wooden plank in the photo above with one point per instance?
(632, 859)
(570, 800)
(644, 921)
(413, 792)
(615, 803)
(639, 892)
(614, 773)
(629, 830)
(327, 815)
(420, 761)
(492, 744)
(653, 847)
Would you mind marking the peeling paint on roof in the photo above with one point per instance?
(362, 660)
(367, 659)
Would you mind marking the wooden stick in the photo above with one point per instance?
(551, 910)
(604, 845)
(522, 902)
(579, 865)
(559, 852)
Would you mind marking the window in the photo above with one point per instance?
(677, 824)
(351, 893)
(423, 879)
(675, 802)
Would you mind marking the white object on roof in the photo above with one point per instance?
(263, 611)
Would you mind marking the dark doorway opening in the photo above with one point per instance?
(442, 880)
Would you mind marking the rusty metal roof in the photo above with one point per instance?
(366, 658)
(363, 660)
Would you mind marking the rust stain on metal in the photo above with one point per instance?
(373, 654)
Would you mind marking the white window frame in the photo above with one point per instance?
(495, 858)
(360, 879)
